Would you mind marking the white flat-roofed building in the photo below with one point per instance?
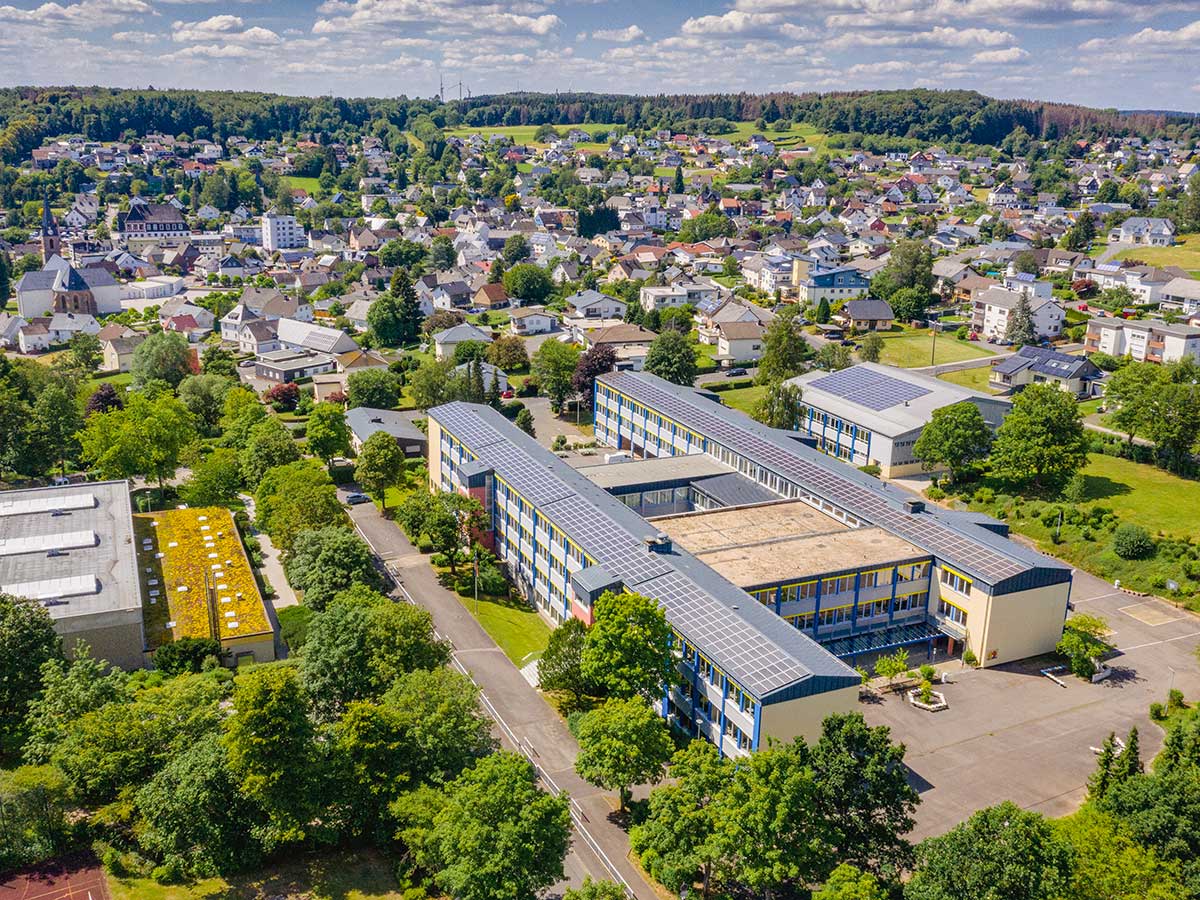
(71, 549)
(871, 414)
(281, 232)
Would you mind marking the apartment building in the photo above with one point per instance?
(1146, 340)
(280, 232)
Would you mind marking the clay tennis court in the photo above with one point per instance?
(80, 879)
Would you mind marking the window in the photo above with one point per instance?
(956, 582)
(953, 613)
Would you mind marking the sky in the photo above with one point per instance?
(1120, 53)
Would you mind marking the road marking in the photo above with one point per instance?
(1181, 637)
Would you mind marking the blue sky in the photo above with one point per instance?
(1123, 53)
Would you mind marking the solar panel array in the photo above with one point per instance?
(874, 390)
(613, 535)
(925, 531)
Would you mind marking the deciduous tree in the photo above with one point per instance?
(622, 743)
(672, 357)
(1041, 441)
(956, 438)
(627, 651)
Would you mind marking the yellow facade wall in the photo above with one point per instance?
(803, 716)
(1007, 627)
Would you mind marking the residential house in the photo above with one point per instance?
(739, 342)
(296, 335)
(1152, 232)
(34, 336)
(363, 421)
(491, 296)
(1183, 292)
(866, 315)
(1040, 365)
(445, 342)
(10, 325)
(994, 306)
(843, 283)
(532, 320)
(291, 364)
(255, 336)
(117, 352)
(591, 304)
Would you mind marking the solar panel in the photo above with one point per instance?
(862, 501)
(613, 535)
(874, 390)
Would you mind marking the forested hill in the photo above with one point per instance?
(30, 114)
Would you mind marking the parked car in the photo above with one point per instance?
(245, 364)
(506, 395)
(735, 372)
(355, 498)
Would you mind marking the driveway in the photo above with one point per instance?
(525, 722)
(547, 425)
(1013, 734)
(1112, 250)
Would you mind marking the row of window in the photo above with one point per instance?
(713, 675)
(953, 613)
(956, 582)
(867, 609)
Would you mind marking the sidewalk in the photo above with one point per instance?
(526, 720)
(272, 567)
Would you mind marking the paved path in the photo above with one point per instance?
(272, 567)
(526, 722)
(1112, 250)
(1092, 423)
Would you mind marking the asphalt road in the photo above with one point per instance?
(525, 722)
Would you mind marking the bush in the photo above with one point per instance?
(928, 672)
(114, 862)
(926, 691)
(969, 658)
(293, 626)
(424, 544)
(962, 333)
(935, 493)
(574, 719)
(1175, 700)
(1157, 713)
(559, 443)
(1132, 542)
(872, 469)
(510, 409)
(1076, 489)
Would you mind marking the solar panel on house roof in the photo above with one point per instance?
(874, 390)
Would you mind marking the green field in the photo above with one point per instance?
(1185, 254)
(514, 625)
(308, 184)
(337, 875)
(1145, 495)
(745, 398)
(912, 348)
(976, 379)
(800, 134)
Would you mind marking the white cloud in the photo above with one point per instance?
(134, 37)
(1001, 57)
(734, 22)
(1186, 36)
(438, 17)
(619, 35)
(224, 28)
(85, 14)
(940, 36)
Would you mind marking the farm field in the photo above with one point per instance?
(1185, 254)
(910, 349)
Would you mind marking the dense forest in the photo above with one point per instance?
(30, 114)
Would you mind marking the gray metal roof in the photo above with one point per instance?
(756, 648)
(982, 554)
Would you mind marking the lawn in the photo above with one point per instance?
(1145, 495)
(976, 379)
(1137, 494)
(1185, 254)
(912, 348)
(513, 624)
(298, 181)
(800, 134)
(523, 134)
(120, 381)
(337, 875)
(745, 398)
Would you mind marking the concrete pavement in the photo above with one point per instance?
(525, 721)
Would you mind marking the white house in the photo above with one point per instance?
(532, 320)
(445, 342)
(297, 335)
(1142, 230)
(994, 307)
(591, 304)
(739, 342)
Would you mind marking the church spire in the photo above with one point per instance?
(51, 242)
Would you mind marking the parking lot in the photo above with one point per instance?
(1013, 734)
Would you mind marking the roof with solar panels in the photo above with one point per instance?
(888, 400)
(765, 655)
(975, 545)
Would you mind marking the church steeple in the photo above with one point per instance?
(51, 242)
